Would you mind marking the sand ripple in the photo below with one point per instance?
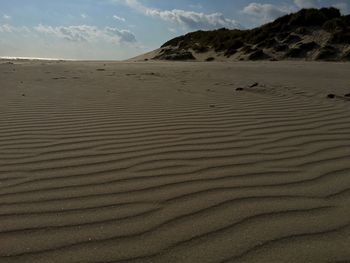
(168, 163)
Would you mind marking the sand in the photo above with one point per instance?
(167, 162)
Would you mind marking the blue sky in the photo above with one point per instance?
(120, 29)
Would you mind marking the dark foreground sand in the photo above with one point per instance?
(167, 162)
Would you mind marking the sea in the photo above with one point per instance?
(34, 58)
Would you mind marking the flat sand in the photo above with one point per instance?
(167, 162)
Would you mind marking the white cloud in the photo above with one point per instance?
(84, 33)
(265, 12)
(84, 16)
(7, 17)
(188, 19)
(306, 3)
(70, 42)
(124, 35)
(194, 20)
(118, 18)
(6, 28)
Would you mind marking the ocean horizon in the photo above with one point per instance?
(33, 58)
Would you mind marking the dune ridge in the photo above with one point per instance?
(309, 34)
(168, 162)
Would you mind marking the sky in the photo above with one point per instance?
(121, 29)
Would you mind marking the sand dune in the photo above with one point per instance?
(168, 162)
(307, 35)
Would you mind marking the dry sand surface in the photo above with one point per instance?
(167, 162)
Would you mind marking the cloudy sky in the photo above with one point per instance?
(120, 29)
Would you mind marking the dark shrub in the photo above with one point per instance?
(236, 44)
(302, 30)
(330, 12)
(247, 49)
(174, 42)
(258, 55)
(280, 24)
(327, 53)
(282, 35)
(308, 17)
(346, 56)
(346, 20)
(281, 48)
(295, 52)
(210, 59)
(301, 50)
(184, 45)
(314, 17)
(200, 49)
(176, 55)
(231, 47)
(308, 46)
(340, 37)
(268, 43)
(230, 52)
(334, 25)
(291, 39)
(257, 35)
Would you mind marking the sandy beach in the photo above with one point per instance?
(174, 162)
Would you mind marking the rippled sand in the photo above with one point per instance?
(167, 162)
